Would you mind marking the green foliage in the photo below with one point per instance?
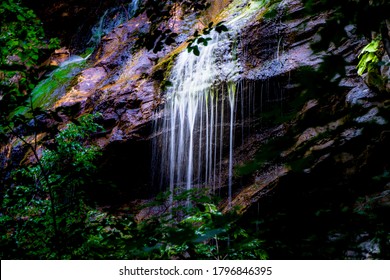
(368, 18)
(23, 43)
(70, 157)
(23, 46)
(45, 208)
(196, 231)
(198, 39)
(45, 212)
(199, 231)
(22, 35)
(368, 57)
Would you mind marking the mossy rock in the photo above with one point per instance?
(47, 92)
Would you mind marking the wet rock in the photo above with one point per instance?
(122, 84)
(371, 116)
(71, 20)
(369, 248)
(264, 184)
(59, 56)
(385, 72)
(87, 83)
(278, 47)
(344, 157)
(360, 95)
(313, 132)
(351, 133)
(316, 163)
(320, 147)
(308, 106)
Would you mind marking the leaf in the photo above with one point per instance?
(366, 60)
(35, 57)
(19, 119)
(209, 234)
(200, 40)
(20, 17)
(196, 51)
(221, 28)
(205, 41)
(371, 47)
(165, 84)
(190, 41)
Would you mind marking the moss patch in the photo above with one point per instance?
(162, 70)
(47, 92)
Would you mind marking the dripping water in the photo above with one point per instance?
(195, 121)
(196, 128)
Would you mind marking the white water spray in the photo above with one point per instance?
(194, 125)
(197, 128)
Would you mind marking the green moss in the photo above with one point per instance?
(269, 8)
(162, 70)
(47, 92)
(87, 52)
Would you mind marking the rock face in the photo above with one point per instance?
(282, 44)
(72, 20)
(272, 52)
(328, 145)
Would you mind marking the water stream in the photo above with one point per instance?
(198, 124)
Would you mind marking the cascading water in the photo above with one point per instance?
(198, 121)
(190, 144)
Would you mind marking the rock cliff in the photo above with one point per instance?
(305, 152)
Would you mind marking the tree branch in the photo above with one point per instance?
(46, 178)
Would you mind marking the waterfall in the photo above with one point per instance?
(196, 127)
(194, 124)
(232, 94)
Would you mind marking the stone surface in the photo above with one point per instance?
(87, 82)
(360, 96)
(264, 183)
(280, 46)
(371, 116)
